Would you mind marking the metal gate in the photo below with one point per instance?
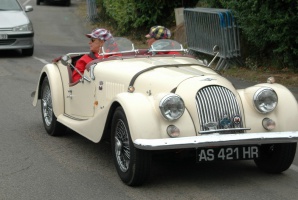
(206, 27)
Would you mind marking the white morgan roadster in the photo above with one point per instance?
(147, 101)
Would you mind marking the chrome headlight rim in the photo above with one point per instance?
(171, 107)
(260, 96)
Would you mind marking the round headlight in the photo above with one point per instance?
(265, 100)
(172, 107)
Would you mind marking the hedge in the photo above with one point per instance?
(269, 28)
(131, 15)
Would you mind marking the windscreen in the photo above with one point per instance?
(6, 5)
(166, 45)
(117, 45)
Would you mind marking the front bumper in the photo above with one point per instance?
(216, 140)
(17, 41)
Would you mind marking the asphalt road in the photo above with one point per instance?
(34, 165)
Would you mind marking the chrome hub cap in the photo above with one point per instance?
(47, 109)
(122, 149)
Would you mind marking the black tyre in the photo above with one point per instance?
(38, 2)
(67, 3)
(132, 164)
(52, 126)
(276, 158)
(28, 52)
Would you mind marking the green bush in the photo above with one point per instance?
(131, 15)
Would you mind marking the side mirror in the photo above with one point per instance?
(28, 8)
(65, 60)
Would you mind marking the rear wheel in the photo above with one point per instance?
(132, 164)
(37, 2)
(276, 158)
(52, 126)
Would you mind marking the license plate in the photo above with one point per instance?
(3, 36)
(227, 153)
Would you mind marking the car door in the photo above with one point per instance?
(80, 99)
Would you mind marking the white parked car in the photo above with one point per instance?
(16, 29)
(146, 102)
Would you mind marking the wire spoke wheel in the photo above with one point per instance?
(122, 149)
(46, 103)
(52, 126)
(132, 164)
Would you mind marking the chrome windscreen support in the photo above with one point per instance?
(92, 71)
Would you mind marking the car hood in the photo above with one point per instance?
(11, 19)
(158, 74)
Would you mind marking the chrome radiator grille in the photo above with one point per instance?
(215, 104)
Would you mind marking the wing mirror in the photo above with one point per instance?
(65, 60)
(28, 8)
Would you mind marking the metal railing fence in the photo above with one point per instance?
(207, 27)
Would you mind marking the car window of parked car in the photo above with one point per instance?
(9, 5)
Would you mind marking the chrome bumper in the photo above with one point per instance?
(216, 140)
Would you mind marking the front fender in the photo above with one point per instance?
(52, 72)
(135, 106)
(285, 114)
(145, 120)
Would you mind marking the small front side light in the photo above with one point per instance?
(131, 89)
(271, 80)
(173, 131)
(268, 124)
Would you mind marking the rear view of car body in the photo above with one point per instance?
(16, 30)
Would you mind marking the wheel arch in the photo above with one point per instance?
(135, 105)
(108, 124)
(52, 73)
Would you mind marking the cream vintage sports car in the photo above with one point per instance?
(150, 101)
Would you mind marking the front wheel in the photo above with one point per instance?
(132, 164)
(67, 3)
(276, 158)
(38, 2)
(28, 52)
(52, 126)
